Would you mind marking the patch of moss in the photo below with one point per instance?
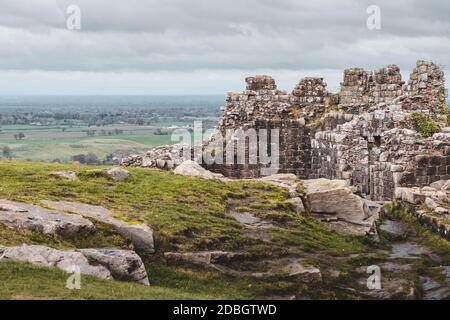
(425, 125)
(421, 233)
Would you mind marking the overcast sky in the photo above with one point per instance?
(208, 46)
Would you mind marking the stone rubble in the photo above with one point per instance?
(334, 202)
(430, 204)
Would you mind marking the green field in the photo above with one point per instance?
(50, 143)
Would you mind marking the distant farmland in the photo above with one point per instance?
(51, 143)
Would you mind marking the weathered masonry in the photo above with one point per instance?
(367, 133)
(378, 132)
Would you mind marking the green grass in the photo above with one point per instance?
(187, 214)
(25, 281)
(425, 125)
(422, 234)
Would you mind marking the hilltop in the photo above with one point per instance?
(189, 215)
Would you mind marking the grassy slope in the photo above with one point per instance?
(187, 214)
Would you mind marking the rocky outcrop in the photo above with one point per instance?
(124, 265)
(334, 197)
(205, 259)
(69, 175)
(333, 201)
(140, 235)
(102, 263)
(117, 174)
(287, 268)
(193, 169)
(290, 182)
(25, 216)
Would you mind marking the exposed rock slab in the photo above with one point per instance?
(117, 174)
(250, 220)
(408, 250)
(102, 263)
(69, 175)
(124, 265)
(202, 259)
(140, 235)
(335, 197)
(48, 257)
(433, 290)
(393, 227)
(288, 268)
(296, 269)
(333, 201)
(284, 180)
(193, 169)
(25, 216)
(297, 204)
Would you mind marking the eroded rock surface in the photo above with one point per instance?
(69, 175)
(193, 169)
(124, 265)
(140, 235)
(203, 258)
(333, 201)
(288, 268)
(25, 216)
(48, 257)
(105, 263)
(118, 174)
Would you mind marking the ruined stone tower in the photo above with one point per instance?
(376, 132)
(363, 134)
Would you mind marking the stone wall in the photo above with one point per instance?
(364, 134)
(361, 88)
(294, 151)
(427, 80)
(262, 106)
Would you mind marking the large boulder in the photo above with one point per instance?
(334, 202)
(335, 197)
(69, 175)
(103, 263)
(117, 174)
(48, 257)
(25, 216)
(124, 265)
(193, 169)
(140, 235)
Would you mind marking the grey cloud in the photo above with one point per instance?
(182, 36)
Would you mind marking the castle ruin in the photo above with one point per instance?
(367, 134)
